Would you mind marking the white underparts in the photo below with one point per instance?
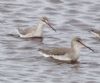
(45, 55)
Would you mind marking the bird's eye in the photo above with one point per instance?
(79, 40)
(92, 30)
(43, 20)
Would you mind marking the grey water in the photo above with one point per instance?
(20, 61)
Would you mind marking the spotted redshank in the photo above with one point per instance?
(65, 54)
(35, 31)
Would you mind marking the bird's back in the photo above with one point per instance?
(55, 51)
(26, 31)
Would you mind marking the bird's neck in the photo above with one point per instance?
(40, 26)
(39, 30)
(76, 48)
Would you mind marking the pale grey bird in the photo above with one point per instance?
(35, 31)
(65, 54)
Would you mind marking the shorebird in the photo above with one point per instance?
(96, 33)
(35, 31)
(65, 54)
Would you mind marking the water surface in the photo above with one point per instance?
(20, 61)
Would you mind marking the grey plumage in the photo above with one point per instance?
(65, 54)
(26, 31)
(55, 51)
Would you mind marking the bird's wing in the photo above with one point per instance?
(55, 51)
(26, 31)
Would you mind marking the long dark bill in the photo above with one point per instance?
(87, 46)
(50, 26)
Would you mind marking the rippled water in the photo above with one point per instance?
(20, 61)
